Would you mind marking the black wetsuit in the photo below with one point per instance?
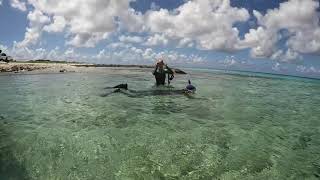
(138, 94)
(160, 75)
(123, 89)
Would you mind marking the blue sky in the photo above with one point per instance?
(256, 35)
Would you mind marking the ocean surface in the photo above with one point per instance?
(238, 125)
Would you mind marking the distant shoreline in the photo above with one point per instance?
(112, 65)
(20, 67)
(47, 66)
(62, 66)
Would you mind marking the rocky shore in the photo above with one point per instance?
(17, 67)
(20, 67)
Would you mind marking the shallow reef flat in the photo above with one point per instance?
(58, 126)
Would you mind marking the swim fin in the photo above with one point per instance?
(122, 86)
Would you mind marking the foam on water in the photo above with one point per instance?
(57, 126)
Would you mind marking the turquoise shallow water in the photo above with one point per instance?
(237, 126)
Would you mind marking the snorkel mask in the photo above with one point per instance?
(190, 88)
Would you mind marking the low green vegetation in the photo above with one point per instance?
(49, 61)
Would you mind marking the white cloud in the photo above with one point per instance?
(87, 39)
(202, 24)
(185, 42)
(208, 22)
(36, 22)
(18, 5)
(58, 24)
(291, 55)
(118, 45)
(277, 55)
(262, 42)
(26, 53)
(306, 41)
(0, 2)
(287, 56)
(71, 54)
(134, 55)
(305, 69)
(130, 39)
(54, 54)
(276, 67)
(3, 48)
(156, 40)
(116, 53)
(299, 18)
(228, 61)
(87, 22)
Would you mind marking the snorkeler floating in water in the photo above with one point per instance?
(123, 89)
(160, 72)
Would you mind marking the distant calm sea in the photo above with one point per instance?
(239, 125)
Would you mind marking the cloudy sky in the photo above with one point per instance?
(257, 35)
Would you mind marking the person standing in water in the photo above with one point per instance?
(160, 72)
